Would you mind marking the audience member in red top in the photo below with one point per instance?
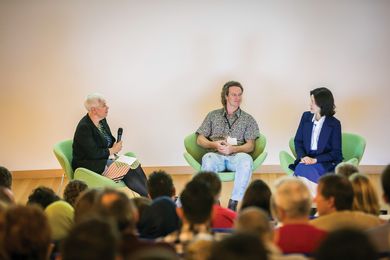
(221, 217)
(290, 204)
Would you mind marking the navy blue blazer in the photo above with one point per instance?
(328, 152)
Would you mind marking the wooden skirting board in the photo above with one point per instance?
(264, 169)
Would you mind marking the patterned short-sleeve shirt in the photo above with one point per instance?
(218, 125)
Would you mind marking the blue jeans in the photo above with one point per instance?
(241, 163)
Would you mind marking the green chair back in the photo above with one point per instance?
(63, 152)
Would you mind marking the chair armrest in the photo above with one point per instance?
(353, 161)
(192, 162)
(259, 160)
(94, 180)
(131, 154)
(285, 160)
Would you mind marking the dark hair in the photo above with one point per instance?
(73, 190)
(346, 169)
(339, 188)
(225, 90)
(239, 246)
(197, 202)
(385, 179)
(85, 204)
(257, 194)
(141, 203)
(5, 177)
(27, 233)
(212, 179)
(348, 244)
(42, 196)
(160, 184)
(94, 238)
(324, 100)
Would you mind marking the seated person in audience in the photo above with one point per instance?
(93, 238)
(291, 204)
(346, 244)
(6, 196)
(73, 190)
(197, 203)
(5, 178)
(346, 169)
(60, 215)
(221, 217)
(160, 218)
(141, 203)
(117, 206)
(239, 246)
(93, 144)
(85, 204)
(380, 235)
(256, 221)
(42, 196)
(258, 194)
(334, 205)
(365, 197)
(27, 233)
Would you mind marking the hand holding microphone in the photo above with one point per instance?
(117, 146)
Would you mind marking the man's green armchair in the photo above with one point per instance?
(194, 154)
(63, 153)
(352, 146)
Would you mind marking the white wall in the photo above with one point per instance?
(161, 65)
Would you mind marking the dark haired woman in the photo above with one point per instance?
(318, 139)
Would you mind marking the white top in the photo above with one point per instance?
(315, 134)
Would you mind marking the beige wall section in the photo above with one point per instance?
(161, 65)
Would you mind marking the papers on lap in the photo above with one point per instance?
(119, 168)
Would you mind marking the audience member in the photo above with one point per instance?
(346, 244)
(6, 195)
(91, 239)
(141, 203)
(257, 194)
(380, 235)
(334, 205)
(365, 197)
(60, 215)
(73, 190)
(291, 204)
(239, 246)
(42, 196)
(346, 169)
(5, 177)
(255, 221)
(221, 217)
(27, 233)
(160, 218)
(84, 207)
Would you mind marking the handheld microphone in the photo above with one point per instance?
(120, 131)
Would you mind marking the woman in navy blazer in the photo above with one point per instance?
(318, 139)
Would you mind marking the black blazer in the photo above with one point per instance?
(329, 152)
(90, 148)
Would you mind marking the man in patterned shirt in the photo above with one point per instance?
(229, 133)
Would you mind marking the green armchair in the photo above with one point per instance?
(63, 153)
(352, 146)
(194, 153)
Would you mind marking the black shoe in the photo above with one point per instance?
(233, 204)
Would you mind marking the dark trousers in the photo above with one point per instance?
(136, 181)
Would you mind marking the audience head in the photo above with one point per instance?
(117, 206)
(385, 180)
(141, 203)
(254, 220)
(5, 177)
(85, 204)
(6, 196)
(291, 199)
(346, 169)
(225, 90)
(334, 193)
(346, 244)
(239, 246)
(73, 190)
(323, 98)
(27, 233)
(160, 184)
(197, 202)
(42, 196)
(94, 100)
(92, 239)
(212, 179)
(257, 194)
(60, 215)
(365, 197)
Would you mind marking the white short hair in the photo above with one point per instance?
(93, 100)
